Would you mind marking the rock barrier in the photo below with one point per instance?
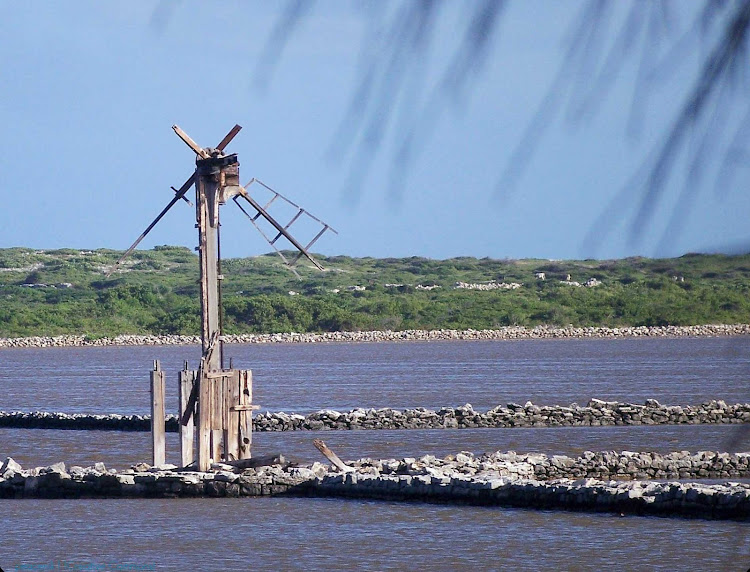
(595, 414)
(500, 479)
(505, 333)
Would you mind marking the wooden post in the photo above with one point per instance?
(207, 185)
(204, 421)
(217, 406)
(246, 413)
(187, 384)
(207, 215)
(158, 443)
(232, 417)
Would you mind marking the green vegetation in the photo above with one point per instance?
(66, 291)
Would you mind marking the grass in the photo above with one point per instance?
(157, 292)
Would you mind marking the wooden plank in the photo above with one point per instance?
(204, 423)
(187, 390)
(218, 374)
(228, 137)
(217, 406)
(217, 391)
(190, 143)
(246, 415)
(232, 418)
(245, 407)
(331, 456)
(158, 439)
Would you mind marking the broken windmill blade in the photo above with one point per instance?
(282, 231)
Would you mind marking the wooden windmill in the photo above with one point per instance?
(216, 400)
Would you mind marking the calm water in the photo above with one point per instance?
(240, 534)
(307, 377)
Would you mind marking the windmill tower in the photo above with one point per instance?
(216, 400)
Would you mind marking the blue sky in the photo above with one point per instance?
(91, 90)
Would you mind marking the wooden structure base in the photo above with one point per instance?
(215, 416)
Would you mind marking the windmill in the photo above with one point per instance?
(220, 399)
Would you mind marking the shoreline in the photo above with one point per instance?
(499, 334)
(623, 482)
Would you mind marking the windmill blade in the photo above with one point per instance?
(268, 240)
(197, 149)
(178, 195)
(282, 231)
(228, 137)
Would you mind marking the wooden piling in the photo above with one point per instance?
(188, 397)
(204, 421)
(158, 441)
(232, 417)
(245, 413)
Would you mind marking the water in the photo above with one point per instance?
(331, 534)
(240, 534)
(306, 377)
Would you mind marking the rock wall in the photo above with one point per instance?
(596, 413)
(506, 333)
(501, 479)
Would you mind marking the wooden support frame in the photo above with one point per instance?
(224, 414)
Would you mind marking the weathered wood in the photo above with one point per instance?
(217, 398)
(245, 407)
(331, 456)
(204, 422)
(263, 461)
(207, 212)
(245, 415)
(192, 144)
(158, 440)
(188, 391)
(232, 418)
(218, 374)
(216, 434)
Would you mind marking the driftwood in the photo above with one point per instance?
(257, 462)
(331, 456)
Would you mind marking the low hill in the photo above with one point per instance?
(156, 291)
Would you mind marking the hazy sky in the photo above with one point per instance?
(90, 91)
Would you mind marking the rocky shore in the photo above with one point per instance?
(506, 333)
(601, 482)
(594, 414)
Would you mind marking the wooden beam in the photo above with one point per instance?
(204, 423)
(232, 418)
(187, 389)
(217, 417)
(228, 137)
(158, 441)
(246, 415)
(245, 407)
(263, 461)
(331, 456)
(190, 143)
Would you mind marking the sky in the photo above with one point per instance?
(90, 91)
